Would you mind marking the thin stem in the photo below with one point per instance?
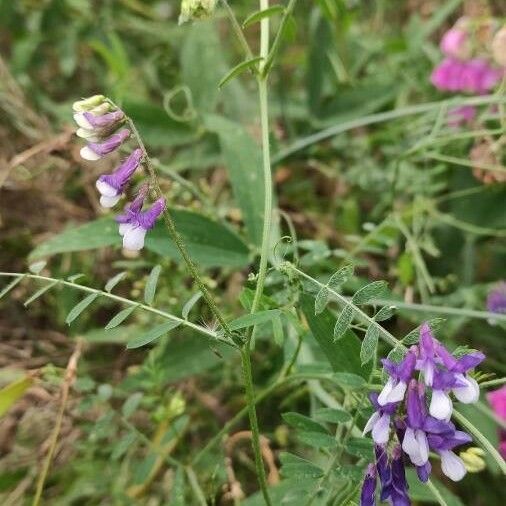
(379, 118)
(70, 374)
(435, 492)
(364, 317)
(237, 30)
(255, 431)
(176, 237)
(485, 443)
(123, 300)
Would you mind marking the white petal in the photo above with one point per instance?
(382, 397)
(416, 446)
(106, 189)
(82, 121)
(469, 393)
(134, 238)
(440, 405)
(451, 465)
(397, 393)
(124, 227)
(381, 430)
(423, 446)
(89, 135)
(370, 423)
(109, 201)
(428, 373)
(89, 154)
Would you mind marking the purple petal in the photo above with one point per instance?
(148, 218)
(120, 177)
(496, 300)
(415, 405)
(469, 361)
(369, 487)
(110, 144)
(104, 120)
(423, 472)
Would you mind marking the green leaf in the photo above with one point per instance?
(321, 301)
(316, 439)
(332, 415)
(202, 65)
(111, 283)
(257, 16)
(277, 330)
(152, 281)
(369, 344)
(151, 335)
(40, 291)
(12, 392)
(249, 320)
(11, 285)
(368, 292)
(360, 447)
(302, 422)
(344, 356)
(414, 336)
(239, 69)
(385, 313)
(131, 404)
(209, 243)
(120, 317)
(37, 267)
(349, 380)
(122, 446)
(343, 322)
(189, 304)
(156, 127)
(340, 277)
(243, 159)
(80, 307)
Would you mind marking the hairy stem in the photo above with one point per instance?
(178, 240)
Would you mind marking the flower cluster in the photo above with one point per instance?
(466, 66)
(496, 299)
(404, 418)
(101, 124)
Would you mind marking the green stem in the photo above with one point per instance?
(123, 300)
(435, 492)
(255, 431)
(176, 237)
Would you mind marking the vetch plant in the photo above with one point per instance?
(328, 329)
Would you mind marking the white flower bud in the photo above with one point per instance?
(86, 104)
(196, 9)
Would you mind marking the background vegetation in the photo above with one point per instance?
(388, 185)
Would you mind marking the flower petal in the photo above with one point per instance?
(440, 405)
(451, 465)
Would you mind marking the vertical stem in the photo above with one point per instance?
(262, 271)
(255, 431)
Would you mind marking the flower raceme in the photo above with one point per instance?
(100, 123)
(404, 418)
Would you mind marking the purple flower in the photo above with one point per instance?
(399, 487)
(427, 359)
(134, 223)
(379, 422)
(440, 403)
(496, 300)
(399, 375)
(384, 470)
(466, 389)
(443, 443)
(111, 186)
(90, 121)
(367, 496)
(415, 442)
(94, 151)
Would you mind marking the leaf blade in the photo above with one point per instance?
(76, 311)
(151, 283)
(152, 335)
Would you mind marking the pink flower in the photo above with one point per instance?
(455, 43)
(497, 399)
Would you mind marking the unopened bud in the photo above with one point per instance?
(473, 459)
(499, 47)
(196, 9)
(87, 104)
